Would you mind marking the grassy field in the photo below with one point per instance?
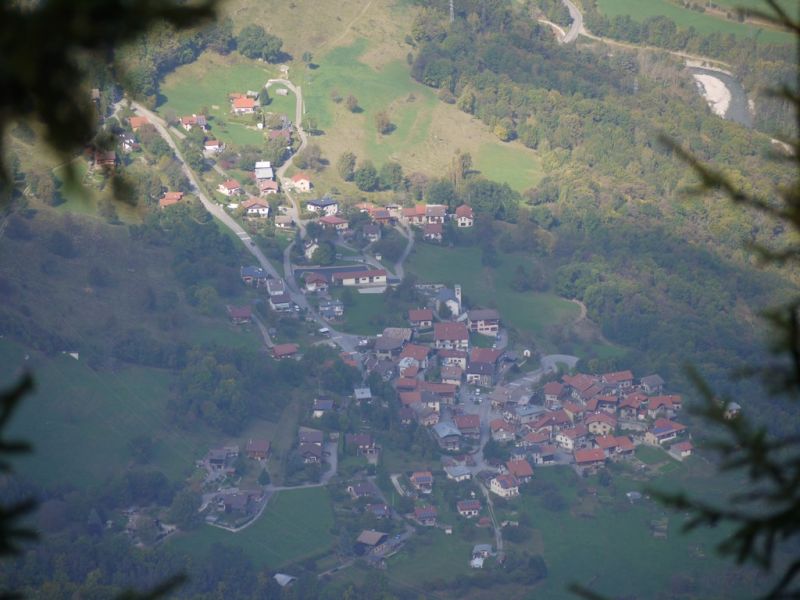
(207, 82)
(360, 317)
(604, 542)
(703, 23)
(294, 525)
(526, 311)
(86, 418)
(510, 163)
(433, 555)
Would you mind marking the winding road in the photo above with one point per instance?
(345, 341)
(577, 29)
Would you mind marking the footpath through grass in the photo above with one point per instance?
(296, 524)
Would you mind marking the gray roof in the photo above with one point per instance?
(652, 380)
(482, 549)
(444, 429)
(386, 344)
(323, 202)
(457, 471)
(362, 393)
(483, 314)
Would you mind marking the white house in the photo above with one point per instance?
(464, 216)
(231, 187)
(373, 277)
(324, 206)
(505, 486)
(299, 182)
(256, 208)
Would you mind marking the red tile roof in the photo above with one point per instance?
(617, 377)
(283, 350)
(450, 331)
(300, 177)
(484, 355)
(242, 102)
(231, 184)
(501, 425)
(420, 314)
(519, 468)
(464, 211)
(137, 122)
(467, 421)
(415, 351)
(589, 455)
(553, 388)
(408, 398)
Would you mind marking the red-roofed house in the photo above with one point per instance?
(553, 392)
(230, 187)
(213, 146)
(663, 406)
(243, 105)
(416, 354)
(422, 481)
(611, 446)
(334, 222)
(422, 318)
(452, 336)
(409, 398)
(505, 486)
(468, 508)
(464, 216)
(520, 469)
(631, 405)
(455, 358)
(468, 425)
(569, 439)
(373, 277)
(284, 350)
(137, 122)
(590, 458)
(267, 187)
(681, 450)
(299, 182)
(600, 423)
(315, 282)
(170, 199)
(240, 314)
(426, 515)
(256, 208)
(619, 379)
(433, 232)
(502, 430)
(414, 215)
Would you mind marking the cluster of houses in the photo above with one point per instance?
(228, 503)
(429, 217)
(594, 418)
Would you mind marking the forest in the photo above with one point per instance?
(625, 236)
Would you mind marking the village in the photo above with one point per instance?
(452, 372)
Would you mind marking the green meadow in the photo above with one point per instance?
(296, 524)
(527, 311)
(704, 23)
(86, 419)
(426, 132)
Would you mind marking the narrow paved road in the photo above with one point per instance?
(347, 342)
(577, 28)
